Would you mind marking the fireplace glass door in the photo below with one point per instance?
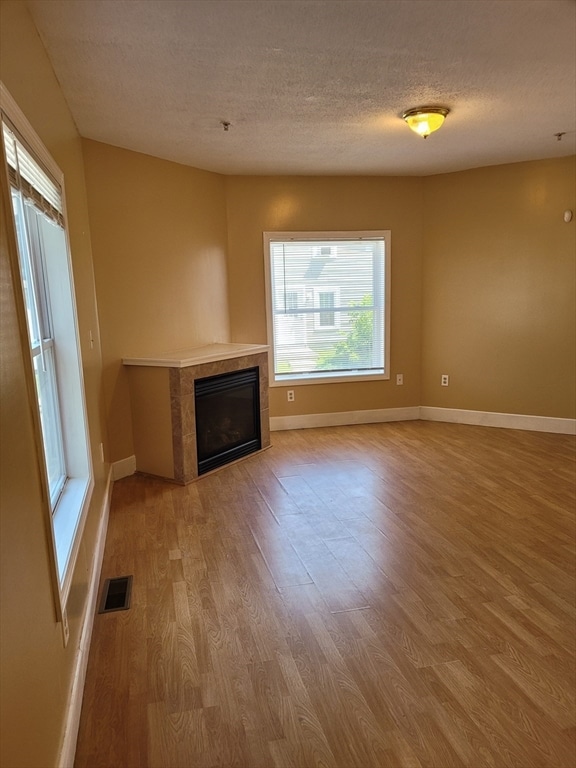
(227, 418)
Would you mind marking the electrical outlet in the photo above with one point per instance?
(65, 628)
(445, 380)
(399, 379)
(290, 395)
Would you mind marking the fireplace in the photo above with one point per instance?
(196, 410)
(227, 410)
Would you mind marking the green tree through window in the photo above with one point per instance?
(355, 349)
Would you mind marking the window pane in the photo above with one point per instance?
(50, 420)
(26, 269)
(327, 306)
(32, 254)
(36, 222)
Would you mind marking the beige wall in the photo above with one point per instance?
(159, 241)
(152, 414)
(257, 204)
(36, 668)
(498, 309)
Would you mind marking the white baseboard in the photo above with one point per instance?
(376, 416)
(68, 749)
(426, 413)
(505, 420)
(124, 468)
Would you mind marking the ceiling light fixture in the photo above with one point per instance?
(425, 120)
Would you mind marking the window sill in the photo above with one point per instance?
(68, 522)
(285, 379)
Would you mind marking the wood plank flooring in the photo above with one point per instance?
(393, 595)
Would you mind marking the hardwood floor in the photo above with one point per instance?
(355, 597)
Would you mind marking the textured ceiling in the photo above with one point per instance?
(318, 86)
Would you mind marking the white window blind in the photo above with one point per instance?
(26, 175)
(334, 324)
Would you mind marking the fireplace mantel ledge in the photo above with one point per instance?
(209, 353)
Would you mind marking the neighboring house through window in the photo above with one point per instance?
(328, 305)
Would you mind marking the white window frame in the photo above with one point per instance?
(66, 522)
(326, 377)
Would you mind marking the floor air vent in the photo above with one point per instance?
(116, 594)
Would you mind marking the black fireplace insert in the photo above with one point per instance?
(227, 418)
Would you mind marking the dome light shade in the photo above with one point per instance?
(425, 120)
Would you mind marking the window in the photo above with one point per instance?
(48, 302)
(291, 300)
(335, 324)
(324, 251)
(325, 300)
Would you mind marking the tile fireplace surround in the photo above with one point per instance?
(163, 407)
